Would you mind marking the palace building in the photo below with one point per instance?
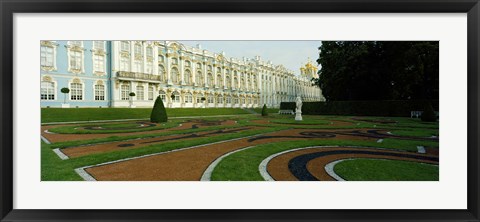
(134, 73)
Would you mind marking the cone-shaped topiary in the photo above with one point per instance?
(264, 110)
(159, 114)
(428, 114)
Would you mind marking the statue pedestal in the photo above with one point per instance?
(298, 116)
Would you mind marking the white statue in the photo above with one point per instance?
(298, 111)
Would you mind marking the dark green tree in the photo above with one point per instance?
(428, 114)
(159, 114)
(378, 70)
(264, 110)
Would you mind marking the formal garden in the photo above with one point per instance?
(380, 122)
(242, 146)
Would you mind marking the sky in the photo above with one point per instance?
(291, 54)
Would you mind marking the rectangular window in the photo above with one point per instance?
(138, 66)
(125, 46)
(76, 91)
(176, 98)
(99, 45)
(150, 93)
(220, 100)
(210, 99)
(46, 56)
(188, 99)
(47, 91)
(138, 50)
(98, 63)
(149, 52)
(140, 93)
(125, 64)
(99, 92)
(229, 100)
(149, 68)
(125, 90)
(76, 43)
(163, 97)
(199, 99)
(76, 60)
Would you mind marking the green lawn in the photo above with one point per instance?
(243, 165)
(110, 128)
(269, 110)
(240, 166)
(88, 114)
(386, 170)
(55, 169)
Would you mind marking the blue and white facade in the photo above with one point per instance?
(105, 73)
(81, 66)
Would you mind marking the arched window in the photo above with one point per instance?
(99, 92)
(210, 99)
(210, 79)
(199, 78)
(199, 98)
(219, 82)
(162, 95)
(175, 75)
(228, 82)
(188, 77)
(176, 97)
(161, 73)
(235, 83)
(76, 91)
(47, 91)
(188, 98)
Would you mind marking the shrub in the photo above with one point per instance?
(264, 110)
(159, 114)
(428, 114)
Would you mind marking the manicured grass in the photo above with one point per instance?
(91, 114)
(269, 110)
(243, 165)
(386, 170)
(110, 128)
(306, 121)
(73, 143)
(239, 166)
(58, 170)
(416, 132)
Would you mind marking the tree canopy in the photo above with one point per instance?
(379, 70)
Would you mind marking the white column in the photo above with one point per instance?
(167, 68)
(182, 69)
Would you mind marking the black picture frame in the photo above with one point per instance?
(9, 7)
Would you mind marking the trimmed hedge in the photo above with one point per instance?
(264, 110)
(399, 108)
(159, 114)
